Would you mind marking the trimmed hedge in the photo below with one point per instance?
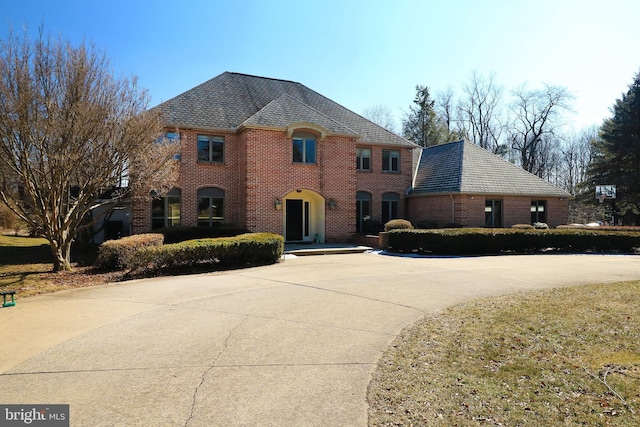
(184, 233)
(398, 224)
(245, 249)
(481, 241)
(114, 254)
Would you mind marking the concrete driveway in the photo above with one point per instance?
(290, 344)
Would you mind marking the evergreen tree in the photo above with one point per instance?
(422, 124)
(616, 155)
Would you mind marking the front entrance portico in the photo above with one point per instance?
(304, 216)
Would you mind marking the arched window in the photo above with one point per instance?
(363, 210)
(165, 211)
(389, 206)
(210, 206)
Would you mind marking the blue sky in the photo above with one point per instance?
(359, 53)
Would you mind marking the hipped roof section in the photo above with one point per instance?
(231, 101)
(461, 167)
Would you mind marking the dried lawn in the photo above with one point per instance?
(26, 267)
(562, 357)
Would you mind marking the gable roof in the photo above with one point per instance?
(466, 168)
(232, 100)
(286, 110)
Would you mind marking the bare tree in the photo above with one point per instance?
(576, 157)
(382, 116)
(536, 124)
(480, 112)
(445, 107)
(73, 138)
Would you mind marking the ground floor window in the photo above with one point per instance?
(165, 211)
(493, 213)
(363, 210)
(538, 211)
(390, 203)
(210, 206)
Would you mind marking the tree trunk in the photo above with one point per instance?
(61, 252)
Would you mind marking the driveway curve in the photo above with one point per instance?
(289, 344)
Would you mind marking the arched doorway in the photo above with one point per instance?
(304, 216)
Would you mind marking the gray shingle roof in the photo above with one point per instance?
(463, 167)
(231, 100)
(283, 111)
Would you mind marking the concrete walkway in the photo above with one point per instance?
(290, 344)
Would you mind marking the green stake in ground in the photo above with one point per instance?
(4, 298)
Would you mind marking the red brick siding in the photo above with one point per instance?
(469, 210)
(258, 169)
(376, 182)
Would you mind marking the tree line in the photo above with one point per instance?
(527, 127)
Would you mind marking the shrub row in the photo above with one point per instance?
(245, 249)
(183, 233)
(117, 254)
(480, 241)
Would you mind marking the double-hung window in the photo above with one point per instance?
(304, 149)
(363, 159)
(493, 213)
(390, 203)
(165, 211)
(390, 161)
(210, 206)
(210, 148)
(538, 211)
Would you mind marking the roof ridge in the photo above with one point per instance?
(260, 77)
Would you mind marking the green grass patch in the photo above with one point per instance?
(567, 356)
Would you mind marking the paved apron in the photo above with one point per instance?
(284, 345)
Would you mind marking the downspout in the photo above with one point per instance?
(453, 209)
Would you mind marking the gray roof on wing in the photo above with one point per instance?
(232, 99)
(464, 167)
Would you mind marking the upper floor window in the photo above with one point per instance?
(538, 211)
(363, 159)
(210, 148)
(391, 160)
(304, 148)
(173, 137)
(210, 206)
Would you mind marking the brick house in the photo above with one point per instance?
(275, 156)
(462, 183)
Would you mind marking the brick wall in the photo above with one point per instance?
(258, 168)
(469, 210)
(376, 182)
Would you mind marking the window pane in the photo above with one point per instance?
(157, 208)
(204, 211)
(385, 160)
(363, 158)
(310, 151)
(395, 161)
(173, 211)
(203, 148)
(217, 149)
(297, 150)
(217, 209)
